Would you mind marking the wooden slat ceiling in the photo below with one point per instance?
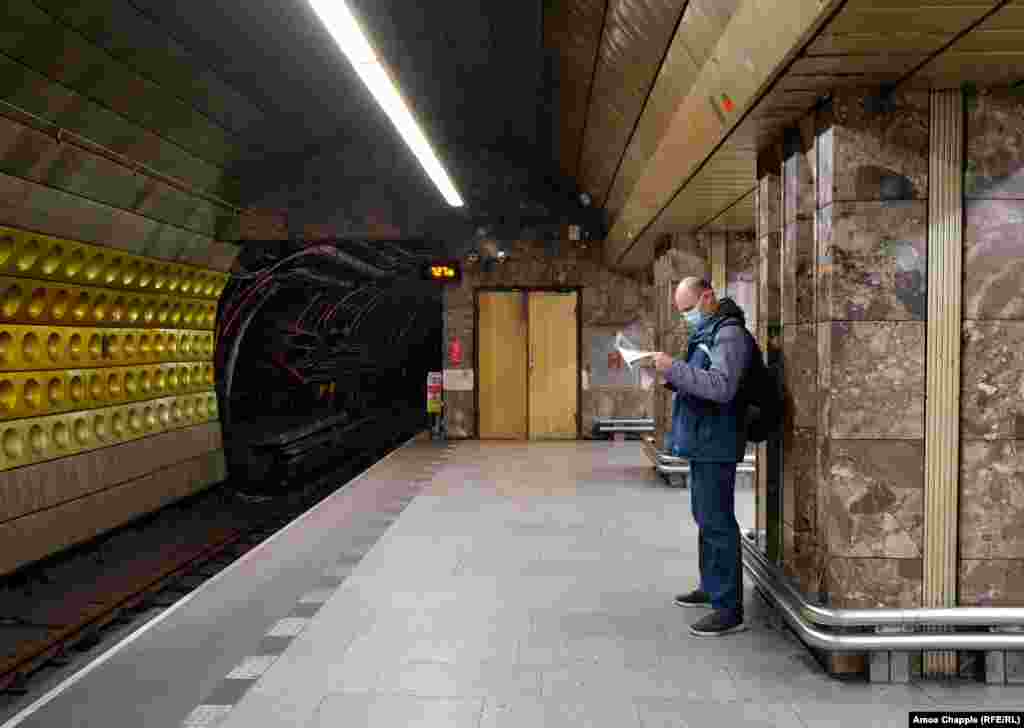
(573, 30)
(636, 35)
(867, 44)
(699, 30)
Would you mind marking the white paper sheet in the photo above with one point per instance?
(630, 354)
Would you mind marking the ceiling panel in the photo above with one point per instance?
(572, 30)
(890, 42)
(952, 69)
(674, 80)
(987, 39)
(699, 29)
(992, 53)
(870, 16)
(867, 44)
(874, 64)
(636, 37)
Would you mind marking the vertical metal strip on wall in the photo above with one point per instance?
(942, 417)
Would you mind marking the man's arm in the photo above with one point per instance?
(721, 382)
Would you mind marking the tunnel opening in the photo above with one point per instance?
(322, 348)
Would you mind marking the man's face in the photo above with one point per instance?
(686, 300)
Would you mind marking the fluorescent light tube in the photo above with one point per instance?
(346, 32)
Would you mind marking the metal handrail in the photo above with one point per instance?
(906, 641)
(872, 642)
(887, 617)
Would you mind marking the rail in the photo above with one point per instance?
(612, 425)
(83, 612)
(670, 465)
(797, 612)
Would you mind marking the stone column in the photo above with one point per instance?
(991, 567)
(871, 312)
(688, 256)
(769, 329)
(801, 550)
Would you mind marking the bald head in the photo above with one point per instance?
(695, 292)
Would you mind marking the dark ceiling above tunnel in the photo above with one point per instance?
(474, 72)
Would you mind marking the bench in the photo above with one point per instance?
(676, 471)
(623, 427)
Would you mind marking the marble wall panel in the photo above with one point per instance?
(992, 397)
(995, 145)
(741, 274)
(798, 264)
(690, 255)
(769, 279)
(769, 190)
(876, 380)
(461, 414)
(800, 373)
(874, 498)
(800, 482)
(859, 583)
(873, 261)
(991, 582)
(803, 560)
(879, 147)
(825, 141)
(994, 258)
(992, 500)
(799, 171)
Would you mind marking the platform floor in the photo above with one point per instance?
(498, 584)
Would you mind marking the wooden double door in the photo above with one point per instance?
(528, 365)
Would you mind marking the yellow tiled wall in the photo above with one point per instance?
(99, 347)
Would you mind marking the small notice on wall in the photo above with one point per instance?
(434, 401)
(458, 380)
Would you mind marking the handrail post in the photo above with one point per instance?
(1003, 667)
(890, 666)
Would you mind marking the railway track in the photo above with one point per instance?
(67, 603)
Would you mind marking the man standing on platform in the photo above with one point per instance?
(708, 429)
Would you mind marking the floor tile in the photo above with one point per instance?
(369, 710)
(697, 714)
(612, 711)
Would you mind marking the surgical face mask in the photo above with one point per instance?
(694, 317)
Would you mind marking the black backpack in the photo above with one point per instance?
(761, 387)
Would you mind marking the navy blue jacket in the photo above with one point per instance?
(708, 416)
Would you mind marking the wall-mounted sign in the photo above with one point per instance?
(443, 271)
(455, 352)
(435, 381)
(458, 380)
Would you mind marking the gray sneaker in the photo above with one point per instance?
(696, 598)
(718, 623)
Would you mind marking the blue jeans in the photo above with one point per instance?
(713, 499)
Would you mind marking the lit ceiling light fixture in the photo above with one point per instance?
(342, 25)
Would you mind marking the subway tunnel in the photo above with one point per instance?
(311, 333)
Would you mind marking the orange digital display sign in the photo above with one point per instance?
(443, 271)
